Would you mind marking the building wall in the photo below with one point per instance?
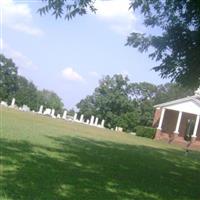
(156, 118)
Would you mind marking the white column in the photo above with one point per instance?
(178, 123)
(196, 127)
(161, 119)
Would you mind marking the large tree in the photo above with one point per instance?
(177, 48)
(8, 78)
(125, 104)
(50, 99)
(110, 101)
(26, 93)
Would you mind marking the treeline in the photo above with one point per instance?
(116, 100)
(127, 105)
(24, 91)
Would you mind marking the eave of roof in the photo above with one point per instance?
(195, 99)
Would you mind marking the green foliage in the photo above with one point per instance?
(171, 91)
(126, 104)
(25, 92)
(144, 131)
(50, 99)
(8, 78)
(110, 102)
(87, 106)
(178, 46)
(68, 9)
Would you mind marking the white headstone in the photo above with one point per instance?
(64, 115)
(88, 121)
(47, 111)
(41, 109)
(81, 118)
(53, 113)
(120, 129)
(75, 117)
(197, 92)
(3, 103)
(58, 116)
(96, 121)
(92, 120)
(102, 123)
(13, 102)
(25, 108)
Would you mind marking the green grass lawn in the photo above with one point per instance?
(51, 159)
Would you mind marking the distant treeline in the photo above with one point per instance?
(23, 90)
(116, 100)
(128, 105)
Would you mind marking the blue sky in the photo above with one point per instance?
(69, 57)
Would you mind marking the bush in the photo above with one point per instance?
(144, 131)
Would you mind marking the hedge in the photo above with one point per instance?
(145, 131)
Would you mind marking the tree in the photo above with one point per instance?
(110, 101)
(8, 78)
(26, 93)
(68, 9)
(50, 99)
(87, 106)
(177, 48)
(170, 92)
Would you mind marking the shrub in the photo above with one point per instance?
(144, 131)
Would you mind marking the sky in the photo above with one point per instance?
(70, 57)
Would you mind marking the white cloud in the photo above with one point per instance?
(114, 9)
(21, 61)
(70, 74)
(117, 14)
(18, 17)
(28, 29)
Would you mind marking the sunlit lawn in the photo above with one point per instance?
(51, 159)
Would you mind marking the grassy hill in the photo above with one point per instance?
(51, 159)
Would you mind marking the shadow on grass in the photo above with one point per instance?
(79, 168)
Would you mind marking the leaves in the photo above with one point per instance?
(25, 92)
(67, 8)
(178, 46)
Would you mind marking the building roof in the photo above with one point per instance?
(194, 98)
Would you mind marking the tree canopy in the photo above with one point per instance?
(25, 92)
(177, 48)
(125, 104)
(8, 78)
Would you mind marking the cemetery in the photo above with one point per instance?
(51, 113)
(99, 100)
(63, 157)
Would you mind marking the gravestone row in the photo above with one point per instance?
(51, 113)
